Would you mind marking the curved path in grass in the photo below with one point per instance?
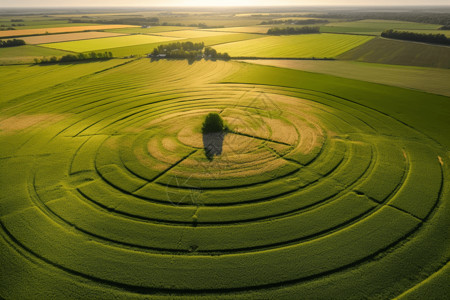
(108, 192)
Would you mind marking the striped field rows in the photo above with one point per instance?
(109, 191)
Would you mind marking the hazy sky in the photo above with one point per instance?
(206, 3)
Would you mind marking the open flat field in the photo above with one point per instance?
(209, 41)
(326, 174)
(374, 26)
(55, 38)
(388, 51)
(26, 54)
(106, 43)
(151, 30)
(299, 46)
(430, 80)
(324, 185)
(245, 29)
(191, 33)
(25, 32)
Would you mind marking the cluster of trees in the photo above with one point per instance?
(11, 27)
(138, 21)
(417, 37)
(445, 27)
(213, 123)
(11, 43)
(72, 57)
(293, 30)
(187, 50)
(294, 22)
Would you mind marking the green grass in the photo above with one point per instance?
(430, 80)
(324, 186)
(387, 51)
(431, 31)
(374, 27)
(106, 43)
(209, 41)
(26, 54)
(300, 46)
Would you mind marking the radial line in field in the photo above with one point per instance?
(405, 212)
(259, 138)
(289, 160)
(167, 170)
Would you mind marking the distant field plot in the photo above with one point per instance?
(106, 43)
(187, 34)
(389, 51)
(322, 186)
(33, 22)
(26, 54)
(373, 26)
(308, 45)
(25, 32)
(40, 25)
(212, 20)
(55, 38)
(247, 29)
(431, 31)
(209, 41)
(153, 29)
(431, 80)
(45, 76)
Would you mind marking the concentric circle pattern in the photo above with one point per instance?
(307, 185)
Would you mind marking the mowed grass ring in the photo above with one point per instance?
(120, 194)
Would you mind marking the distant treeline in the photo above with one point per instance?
(419, 17)
(293, 30)
(125, 21)
(294, 22)
(11, 43)
(140, 22)
(187, 50)
(445, 27)
(417, 37)
(72, 58)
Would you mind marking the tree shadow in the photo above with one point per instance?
(213, 143)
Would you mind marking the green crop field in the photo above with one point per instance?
(308, 166)
(151, 30)
(55, 38)
(387, 51)
(430, 80)
(374, 26)
(209, 41)
(106, 43)
(431, 31)
(299, 46)
(26, 54)
(322, 185)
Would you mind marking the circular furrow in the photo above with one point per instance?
(304, 185)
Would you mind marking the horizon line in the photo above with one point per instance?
(235, 6)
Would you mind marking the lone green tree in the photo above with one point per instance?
(213, 123)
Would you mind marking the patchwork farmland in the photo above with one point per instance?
(300, 46)
(328, 179)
